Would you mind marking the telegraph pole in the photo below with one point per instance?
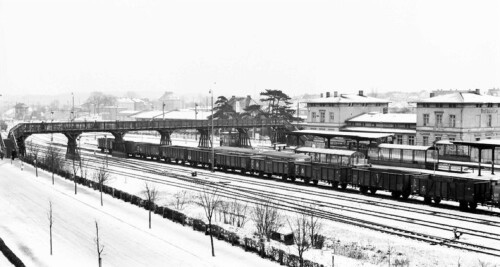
(212, 143)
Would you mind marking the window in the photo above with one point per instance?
(426, 119)
(489, 120)
(490, 105)
(439, 105)
(453, 105)
(425, 140)
(399, 139)
(438, 138)
(452, 121)
(479, 105)
(332, 116)
(321, 116)
(374, 124)
(439, 119)
(313, 116)
(411, 140)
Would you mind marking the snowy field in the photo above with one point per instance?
(24, 202)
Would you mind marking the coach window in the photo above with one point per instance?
(411, 140)
(399, 139)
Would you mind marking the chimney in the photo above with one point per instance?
(478, 91)
(432, 94)
(327, 94)
(321, 95)
(360, 92)
(335, 94)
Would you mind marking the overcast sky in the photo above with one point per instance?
(246, 46)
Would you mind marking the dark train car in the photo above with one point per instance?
(233, 162)
(105, 144)
(279, 163)
(130, 148)
(199, 156)
(468, 192)
(396, 182)
(173, 153)
(148, 150)
(333, 174)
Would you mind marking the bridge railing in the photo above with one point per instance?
(99, 126)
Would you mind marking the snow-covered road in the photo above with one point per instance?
(24, 202)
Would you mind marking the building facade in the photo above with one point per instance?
(462, 116)
(332, 112)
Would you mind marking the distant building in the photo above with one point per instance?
(132, 104)
(462, 116)
(171, 102)
(402, 125)
(332, 112)
(21, 111)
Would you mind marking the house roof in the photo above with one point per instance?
(385, 118)
(460, 97)
(379, 130)
(348, 98)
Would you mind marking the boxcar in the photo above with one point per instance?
(130, 147)
(468, 192)
(175, 153)
(197, 156)
(233, 162)
(398, 183)
(105, 144)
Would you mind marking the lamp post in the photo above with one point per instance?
(73, 107)
(212, 119)
(51, 126)
(163, 108)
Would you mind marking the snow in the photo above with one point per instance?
(123, 228)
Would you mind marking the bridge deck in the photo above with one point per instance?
(102, 126)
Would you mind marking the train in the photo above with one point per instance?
(339, 168)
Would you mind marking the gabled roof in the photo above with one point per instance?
(348, 98)
(385, 118)
(459, 97)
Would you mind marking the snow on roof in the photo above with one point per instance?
(385, 118)
(405, 147)
(148, 114)
(378, 130)
(338, 152)
(459, 97)
(360, 135)
(347, 98)
(126, 112)
(187, 114)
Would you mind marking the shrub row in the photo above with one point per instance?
(248, 244)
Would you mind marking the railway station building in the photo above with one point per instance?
(469, 116)
(330, 113)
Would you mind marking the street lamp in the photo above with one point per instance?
(212, 117)
(163, 110)
(73, 107)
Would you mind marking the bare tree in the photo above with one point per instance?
(239, 211)
(75, 166)
(151, 195)
(315, 225)
(51, 222)
(101, 177)
(267, 219)
(180, 199)
(209, 200)
(300, 227)
(53, 159)
(34, 152)
(100, 247)
(390, 250)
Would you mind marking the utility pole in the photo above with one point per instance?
(212, 143)
(73, 107)
(163, 110)
(52, 126)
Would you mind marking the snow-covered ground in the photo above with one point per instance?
(24, 202)
(419, 254)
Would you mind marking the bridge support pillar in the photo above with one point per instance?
(243, 139)
(165, 138)
(205, 140)
(279, 135)
(21, 147)
(119, 144)
(72, 151)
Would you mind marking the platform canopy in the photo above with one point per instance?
(337, 152)
(350, 135)
(406, 147)
(482, 144)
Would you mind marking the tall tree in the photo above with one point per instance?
(53, 159)
(101, 177)
(223, 109)
(100, 247)
(34, 152)
(278, 105)
(267, 219)
(209, 200)
(51, 222)
(300, 227)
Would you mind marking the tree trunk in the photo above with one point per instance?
(149, 217)
(100, 261)
(52, 172)
(51, 240)
(100, 189)
(36, 170)
(75, 183)
(211, 238)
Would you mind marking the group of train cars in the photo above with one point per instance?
(336, 167)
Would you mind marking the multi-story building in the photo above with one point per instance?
(403, 126)
(458, 116)
(331, 112)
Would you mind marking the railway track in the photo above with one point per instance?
(288, 203)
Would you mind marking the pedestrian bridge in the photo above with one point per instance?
(72, 130)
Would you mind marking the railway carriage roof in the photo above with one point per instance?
(338, 152)
(483, 144)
